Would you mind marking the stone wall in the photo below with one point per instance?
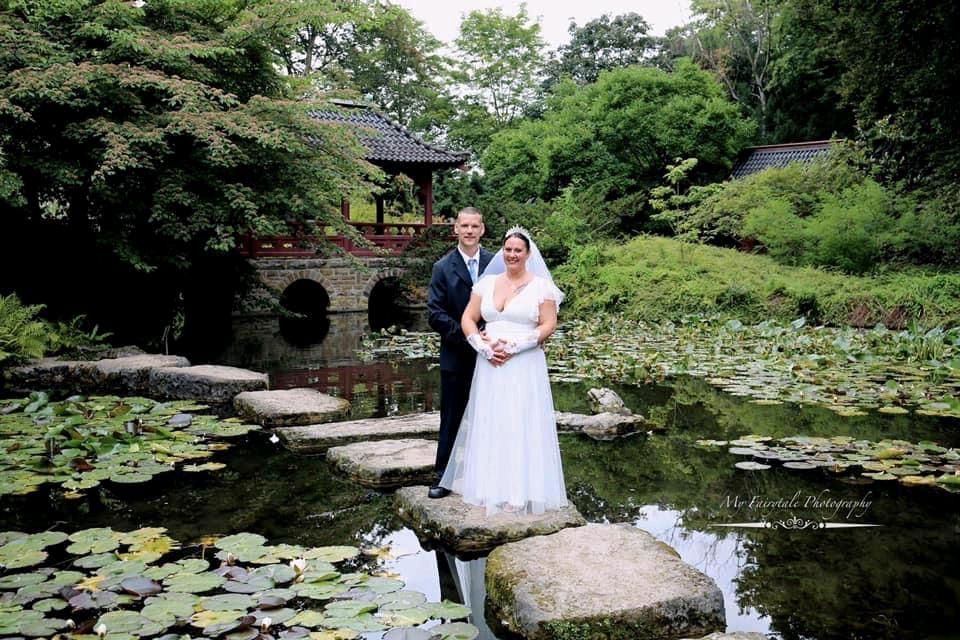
(348, 282)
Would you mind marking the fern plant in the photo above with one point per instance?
(22, 335)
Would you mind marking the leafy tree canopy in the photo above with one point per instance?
(607, 42)
(614, 137)
(499, 64)
(161, 131)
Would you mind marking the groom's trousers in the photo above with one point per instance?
(454, 393)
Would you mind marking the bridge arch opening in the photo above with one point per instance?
(310, 302)
(386, 305)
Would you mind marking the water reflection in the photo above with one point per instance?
(469, 578)
(321, 353)
(723, 559)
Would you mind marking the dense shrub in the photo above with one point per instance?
(25, 336)
(656, 279)
(829, 213)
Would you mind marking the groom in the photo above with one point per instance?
(450, 284)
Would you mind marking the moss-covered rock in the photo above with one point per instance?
(600, 581)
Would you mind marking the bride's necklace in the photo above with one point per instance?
(516, 287)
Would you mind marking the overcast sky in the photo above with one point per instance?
(442, 17)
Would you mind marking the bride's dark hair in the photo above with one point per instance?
(518, 232)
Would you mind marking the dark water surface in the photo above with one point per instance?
(900, 579)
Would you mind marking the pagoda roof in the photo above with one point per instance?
(756, 159)
(387, 141)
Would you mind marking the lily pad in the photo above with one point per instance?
(349, 608)
(320, 590)
(140, 586)
(399, 600)
(167, 611)
(752, 466)
(129, 622)
(193, 582)
(800, 465)
(456, 631)
(216, 622)
(228, 602)
(332, 554)
(409, 633)
(96, 541)
(17, 580)
(307, 618)
(363, 623)
(447, 610)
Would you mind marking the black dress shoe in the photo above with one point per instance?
(438, 492)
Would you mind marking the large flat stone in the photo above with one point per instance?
(206, 383)
(66, 376)
(601, 426)
(320, 437)
(126, 375)
(131, 374)
(386, 464)
(466, 528)
(601, 581)
(285, 407)
(733, 635)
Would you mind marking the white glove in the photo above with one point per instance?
(481, 347)
(529, 341)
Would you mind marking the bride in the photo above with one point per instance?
(506, 456)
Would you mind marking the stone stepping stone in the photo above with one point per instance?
(129, 374)
(285, 407)
(733, 635)
(205, 383)
(587, 581)
(386, 464)
(601, 426)
(320, 437)
(466, 528)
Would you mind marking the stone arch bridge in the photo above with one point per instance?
(346, 283)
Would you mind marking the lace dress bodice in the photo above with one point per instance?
(522, 311)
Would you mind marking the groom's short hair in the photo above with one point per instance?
(473, 211)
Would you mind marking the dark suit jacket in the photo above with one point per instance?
(450, 287)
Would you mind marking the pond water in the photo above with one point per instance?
(897, 579)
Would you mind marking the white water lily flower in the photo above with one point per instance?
(231, 559)
(274, 439)
(299, 566)
(265, 624)
(100, 630)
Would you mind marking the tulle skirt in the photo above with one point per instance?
(506, 456)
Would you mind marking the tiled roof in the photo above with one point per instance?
(389, 142)
(754, 159)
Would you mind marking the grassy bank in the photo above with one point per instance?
(655, 279)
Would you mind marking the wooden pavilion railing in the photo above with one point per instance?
(388, 238)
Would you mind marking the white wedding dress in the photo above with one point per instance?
(506, 456)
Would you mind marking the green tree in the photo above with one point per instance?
(806, 96)
(398, 67)
(738, 40)
(614, 137)
(499, 61)
(900, 73)
(604, 43)
(159, 135)
(369, 48)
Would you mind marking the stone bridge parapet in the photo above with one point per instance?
(347, 281)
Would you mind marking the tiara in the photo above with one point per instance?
(517, 229)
